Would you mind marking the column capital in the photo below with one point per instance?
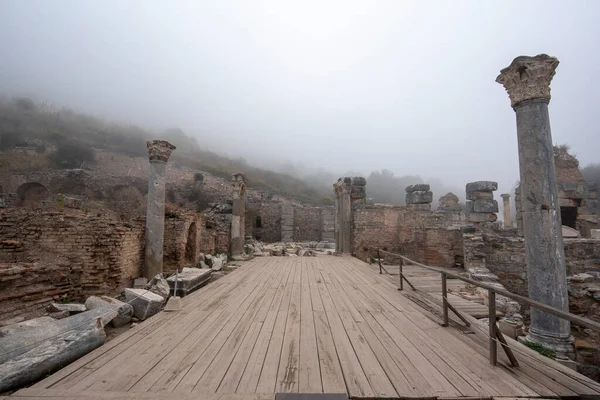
(238, 181)
(342, 185)
(159, 150)
(505, 195)
(528, 78)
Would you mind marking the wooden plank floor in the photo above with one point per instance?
(303, 325)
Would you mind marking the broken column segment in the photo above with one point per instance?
(238, 221)
(159, 152)
(419, 197)
(527, 81)
(349, 193)
(506, 210)
(452, 211)
(481, 206)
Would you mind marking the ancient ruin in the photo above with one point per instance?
(259, 280)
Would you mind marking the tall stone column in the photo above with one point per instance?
(506, 208)
(527, 81)
(159, 152)
(238, 219)
(343, 215)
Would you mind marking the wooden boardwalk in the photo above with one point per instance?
(306, 325)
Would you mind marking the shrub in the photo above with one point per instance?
(72, 155)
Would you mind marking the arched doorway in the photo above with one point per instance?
(31, 193)
(190, 246)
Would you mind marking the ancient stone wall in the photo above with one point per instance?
(503, 253)
(375, 226)
(308, 224)
(183, 240)
(267, 214)
(90, 255)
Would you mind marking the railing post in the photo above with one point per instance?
(401, 280)
(444, 300)
(492, 326)
(379, 260)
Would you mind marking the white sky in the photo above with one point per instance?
(345, 85)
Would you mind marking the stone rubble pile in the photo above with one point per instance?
(308, 249)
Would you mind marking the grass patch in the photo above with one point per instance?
(540, 349)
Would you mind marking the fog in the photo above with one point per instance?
(341, 85)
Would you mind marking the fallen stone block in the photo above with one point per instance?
(32, 323)
(59, 314)
(124, 310)
(581, 278)
(482, 186)
(70, 308)
(217, 264)
(26, 338)
(50, 355)
(145, 303)
(140, 283)
(189, 279)
(159, 285)
(421, 187)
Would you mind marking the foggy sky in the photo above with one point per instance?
(345, 85)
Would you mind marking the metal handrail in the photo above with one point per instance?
(588, 323)
(494, 331)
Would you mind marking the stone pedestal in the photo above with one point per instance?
(481, 206)
(159, 152)
(238, 220)
(506, 209)
(527, 81)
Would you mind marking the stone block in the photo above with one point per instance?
(419, 197)
(568, 203)
(595, 234)
(140, 283)
(145, 303)
(581, 278)
(482, 186)
(482, 217)
(190, 279)
(480, 195)
(421, 187)
(485, 206)
(159, 286)
(359, 181)
(590, 203)
(70, 308)
(124, 310)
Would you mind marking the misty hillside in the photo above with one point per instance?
(75, 135)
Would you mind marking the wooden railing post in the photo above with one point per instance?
(492, 326)
(379, 260)
(401, 280)
(444, 300)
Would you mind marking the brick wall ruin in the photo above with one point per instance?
(182, 240)
(578, 199)
(49, 256)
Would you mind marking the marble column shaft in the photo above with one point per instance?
(527, 81)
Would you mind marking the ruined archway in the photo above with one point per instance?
(31, 193)
(191, 245)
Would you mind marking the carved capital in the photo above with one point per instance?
(505, 196)
(238, 181)
(528, 78)
(343, 185)
(159, 150)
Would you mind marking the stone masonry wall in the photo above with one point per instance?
(375, 226)
(270, 217)
(308, 224)
(47, 256)
(182, 240)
